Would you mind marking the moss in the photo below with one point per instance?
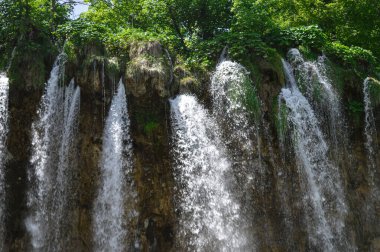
(250, 63)
(280, 118)
(356, 109)
(150, 127)
(337, 75)
(181, 70)
(146, 57)
(148, 121)
(147, 62)
(113, 66)
(251, 99)
(89, 61)
(255, 65)
(314, 88)
(308, 53)
(148, 71)
(276, 61)
(190, 81)
(28, 70)
(317, 93)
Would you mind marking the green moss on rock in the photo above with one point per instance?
(149, 70)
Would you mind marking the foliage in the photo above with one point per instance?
(198, 30)
(119, 43)
(29, 25)
(355, 23)
(81, 32)
(70, 50)
(311, 36)
(351, 55)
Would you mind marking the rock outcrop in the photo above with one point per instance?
(151, 78)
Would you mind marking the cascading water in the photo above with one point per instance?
(209, 215)
(235, 106)
(53, 138)
(323, 199)
(4, 89)
(372, 205)
(64, 193)
(103, 92)
(114, 206)
(370, 129)
(313, 77)
(44, 142)
(229, 89)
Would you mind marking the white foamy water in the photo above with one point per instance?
(4, 90)
(65, 188)
(53, 139)
(116, 191)
(325, 100)
(209, 218)
(323, 197)
(370, 129)
(230, 90)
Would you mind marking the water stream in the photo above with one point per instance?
(209, 215)
(318, 89)
(4, 90)
(52, 163)
(370, 130)
(323, 196)
(235, 107)
(114, 206)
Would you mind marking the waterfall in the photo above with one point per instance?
(111, 216)
(209, 215)
(4, 89)
(312, 76)
(224, 55)
(370, 129)
(51, 163)
(64, 192)
(323, 199)
(229, 89)
(371, 145)
(103, 92)
(235, 106)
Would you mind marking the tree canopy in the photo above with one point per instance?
(198, 29)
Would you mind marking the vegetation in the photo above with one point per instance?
(197, 30)
(356, 109)
(280, 119)
(29, 26)
(251, 99)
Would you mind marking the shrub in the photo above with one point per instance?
(311, 36)
(351, 55)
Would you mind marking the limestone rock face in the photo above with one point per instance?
(150, 80)
(149, 70)
(147, 78)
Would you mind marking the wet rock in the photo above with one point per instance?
(375, 245)
(148, 71)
